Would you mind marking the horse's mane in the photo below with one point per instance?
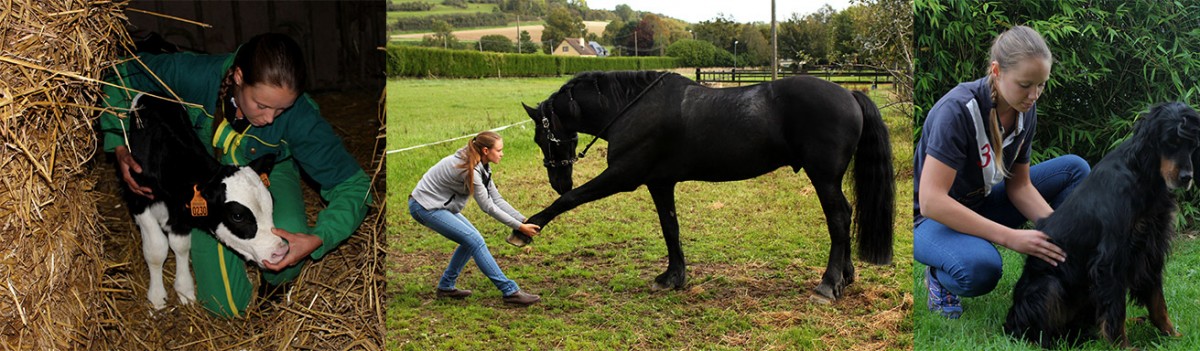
(615, 89)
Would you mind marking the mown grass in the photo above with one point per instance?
(981, 325)
(755, 249)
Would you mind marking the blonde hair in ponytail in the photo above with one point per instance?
(994, 131)
(474, 153)
(1010, 47)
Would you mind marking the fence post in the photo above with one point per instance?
(733, 74)
(698, 75)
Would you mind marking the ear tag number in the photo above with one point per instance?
(198, 206)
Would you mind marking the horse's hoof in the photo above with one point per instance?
(669, 281)
(828, 292)
(820, 299)
(518, 239)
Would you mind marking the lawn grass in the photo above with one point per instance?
(981, 325)
(755, 249)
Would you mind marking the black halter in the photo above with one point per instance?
(549, 161)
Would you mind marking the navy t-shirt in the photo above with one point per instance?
(955, 133)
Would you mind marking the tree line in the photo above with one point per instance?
(874, 33)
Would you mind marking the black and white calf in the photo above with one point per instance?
(192, 190)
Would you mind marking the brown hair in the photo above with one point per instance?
(271, 58)
(1014, 45)
(474, 153)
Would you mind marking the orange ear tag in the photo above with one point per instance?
(198, 206)
(265, 180)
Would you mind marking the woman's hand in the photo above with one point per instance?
(126, 163)
(300, 245)
(529, 229)
(1037, 244)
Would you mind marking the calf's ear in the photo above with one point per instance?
(264, 164)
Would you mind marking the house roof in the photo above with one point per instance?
(578, 45)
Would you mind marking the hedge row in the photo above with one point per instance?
(458, 20)
(410, 61)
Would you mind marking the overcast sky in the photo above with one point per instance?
(694, 11)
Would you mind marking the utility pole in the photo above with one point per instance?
(519, 30)
(774, 45)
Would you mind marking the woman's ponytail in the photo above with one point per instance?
(474, 154)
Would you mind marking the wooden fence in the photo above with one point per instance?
(874, 78)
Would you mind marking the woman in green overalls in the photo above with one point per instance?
(249, 104)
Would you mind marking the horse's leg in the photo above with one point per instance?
(664, 201)
(839, 271)
(608, 182)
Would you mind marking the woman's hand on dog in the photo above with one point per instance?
(126, 162)
(1037, 244)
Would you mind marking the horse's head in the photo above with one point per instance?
(557, 144)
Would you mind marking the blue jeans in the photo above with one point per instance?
(455, 227)
(968, 265)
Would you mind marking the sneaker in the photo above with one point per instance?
(453, 293)
(522, 298)
(940, 299)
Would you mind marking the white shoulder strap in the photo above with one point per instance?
(991, 175)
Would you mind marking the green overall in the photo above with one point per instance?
(299, 137)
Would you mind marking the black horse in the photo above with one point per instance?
(663, 128)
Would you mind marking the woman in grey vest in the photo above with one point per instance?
(439, 198)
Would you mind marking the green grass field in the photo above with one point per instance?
(980, 327)
(755, 249)
(439, 9)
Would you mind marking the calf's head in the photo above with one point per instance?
(240, 212)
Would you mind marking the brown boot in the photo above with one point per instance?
(522, 298)
(454, 294)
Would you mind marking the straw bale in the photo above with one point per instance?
(51, 54)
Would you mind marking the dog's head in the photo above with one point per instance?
(1174, 130)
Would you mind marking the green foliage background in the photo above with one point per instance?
(409, 61)
(458, 20)
(1113, 60)
(699, 53)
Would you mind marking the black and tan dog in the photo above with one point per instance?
(1116, 229)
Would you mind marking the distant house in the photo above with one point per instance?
(574, 47)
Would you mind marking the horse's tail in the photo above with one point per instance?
(874, 186)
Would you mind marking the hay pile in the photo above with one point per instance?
(51, 53)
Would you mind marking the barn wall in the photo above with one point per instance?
(339, 38)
